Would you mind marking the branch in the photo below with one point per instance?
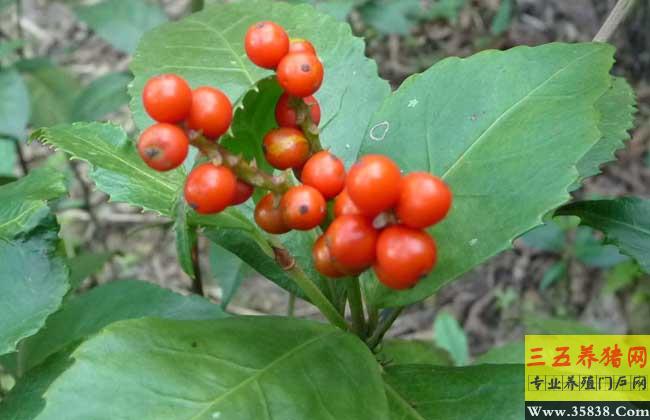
(356, 307)
(308, 126)
(615, 18)
(246, 171)
(390, 315)
(197, 281)
(317, 297)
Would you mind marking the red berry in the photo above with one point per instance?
(325, 172)
(211, 112)
(266, 44)
(243, 192)
(343, 205)
(209, 188)
(299, 45)
(303, 207)
(352, 242)
(424, 200)
(163, 146)
(404, 256)
(167, 98)
(323, 259)
(286, 148)
(268, 215)
(285, 115)
(300, 74)
(374, 184)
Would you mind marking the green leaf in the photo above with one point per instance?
(529, 112)
(624, 221)
(547, 237)
(446, 9)
(52, 92)
(33, 281)
(553, 274)
(502, 19)
(423, 392)
(8, 161)
(8, 47)
(591, 251)
(102, 96)
(90, 312)
(24, 200)
(252, 121)
(122, 22)
(621, 276)
(340, 9)
(616, 108)
(413, 351)
(14, 104)
(511, 353)
(6, 3)
(207, 48)
(85, 265)
(536, 324)
(185, 239)
(392, 17)
(255, 250)
(25, 401)
(116, 166)
(228, 270)
(449, 335)
(237, 368)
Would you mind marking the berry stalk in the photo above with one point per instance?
(244, 170)
(307, 125)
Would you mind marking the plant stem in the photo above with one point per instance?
(308, 126)
(197, 281)
(197, 5)
(317, 297)
(387, 319)
(373, 318)
(291, 306)
(356, 307)
(246, 171)
(615, 18)
(21, 157)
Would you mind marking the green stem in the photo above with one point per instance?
(384, 325)
(197, 5)
(197, 281)
(356, 307)
(316, 297)
(246, 171)
(373, 318)
(291, 307)
(308, 126)
(21, 157)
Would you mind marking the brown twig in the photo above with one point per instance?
(613, 21)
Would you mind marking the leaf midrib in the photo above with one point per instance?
(402, 401)
(256, 376)
(511, 109)
(35, 206)
(228, 44)
(97, 146)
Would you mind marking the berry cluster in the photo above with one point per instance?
(378, 214)
(181, 113)
(379, 222)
